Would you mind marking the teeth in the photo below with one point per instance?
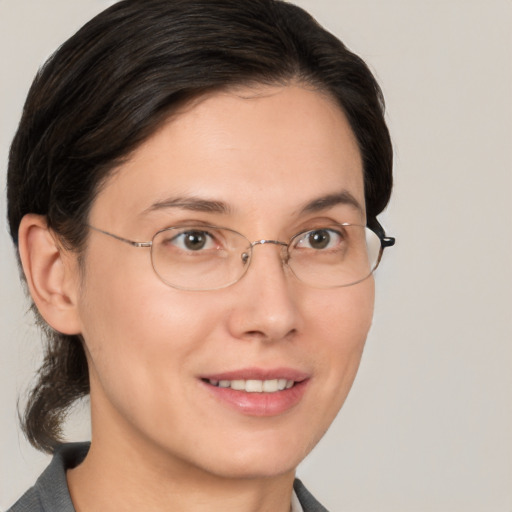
(270, 386)
(254, 386)
(238, 385)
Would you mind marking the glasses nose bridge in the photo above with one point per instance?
(282, 245)
(262, 242)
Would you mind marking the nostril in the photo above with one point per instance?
(245, 258)
(270, 337)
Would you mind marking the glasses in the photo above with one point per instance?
(211, 257)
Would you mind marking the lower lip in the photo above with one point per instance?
(260, 404)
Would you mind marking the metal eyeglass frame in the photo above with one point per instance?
(385, 241)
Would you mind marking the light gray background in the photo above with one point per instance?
(428, 425)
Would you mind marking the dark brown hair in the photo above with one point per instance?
(111, 85)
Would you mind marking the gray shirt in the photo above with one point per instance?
(51, 494)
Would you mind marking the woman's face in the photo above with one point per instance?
(259, 161)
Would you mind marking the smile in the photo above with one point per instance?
(253, 385)
(260, 392)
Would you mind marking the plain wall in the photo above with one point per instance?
(428, 424)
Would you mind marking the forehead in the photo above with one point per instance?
(256, 149)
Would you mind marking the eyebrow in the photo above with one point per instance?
(330, 200)
(211, 206)
(190, 203)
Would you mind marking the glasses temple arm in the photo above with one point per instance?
(120, 238)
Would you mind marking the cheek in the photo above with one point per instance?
(344, 316)
(134, 323)
(342, 323)
(142, 339)
(143, 325)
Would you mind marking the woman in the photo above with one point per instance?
(193, 191)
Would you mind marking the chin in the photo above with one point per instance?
(262, 457)
(255, 468)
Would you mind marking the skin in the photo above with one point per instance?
(159, 437)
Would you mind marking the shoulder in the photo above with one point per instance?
(29, 502)
(50, 493)
(306, 499)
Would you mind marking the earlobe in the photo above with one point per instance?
(51, 274)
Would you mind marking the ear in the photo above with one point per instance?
(51, 273)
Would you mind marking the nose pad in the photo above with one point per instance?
(285, 255)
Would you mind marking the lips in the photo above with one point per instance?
(258, 392)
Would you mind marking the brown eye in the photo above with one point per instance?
(193, 240)
(319, 239)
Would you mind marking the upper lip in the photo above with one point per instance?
(259, 374)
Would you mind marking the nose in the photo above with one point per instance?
(265, 306)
